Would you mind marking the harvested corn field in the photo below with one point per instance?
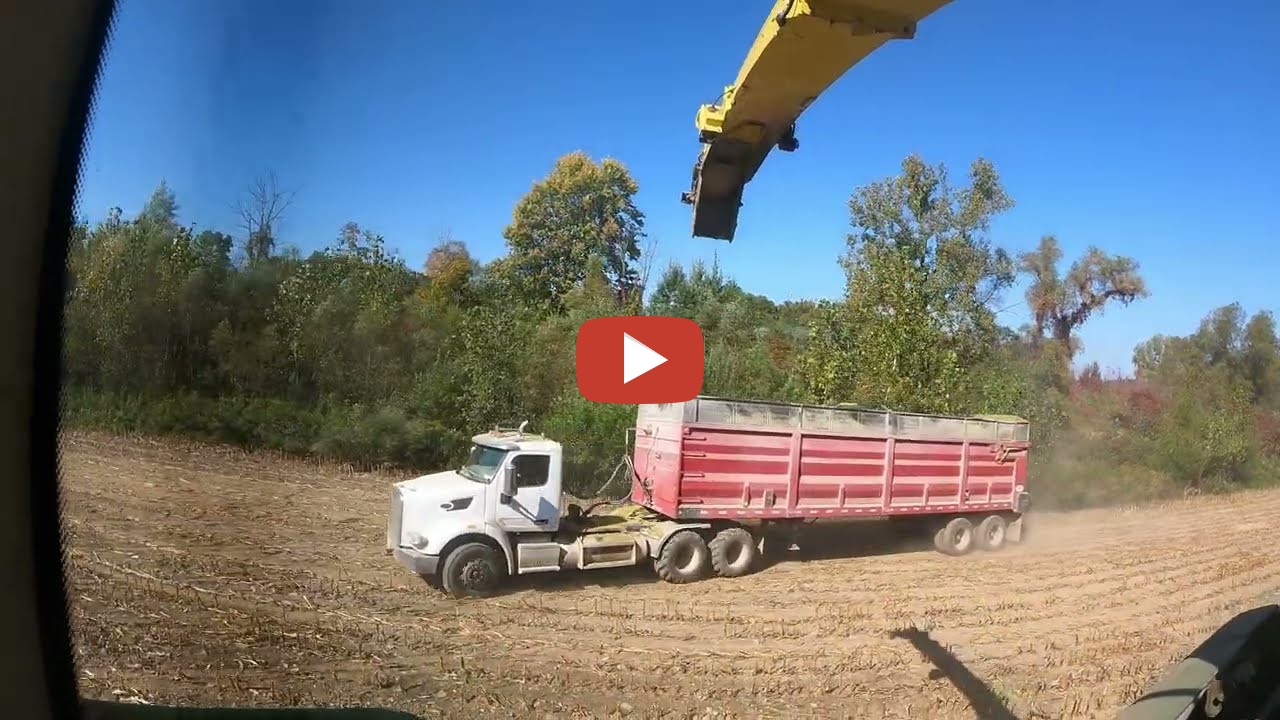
(212, 576)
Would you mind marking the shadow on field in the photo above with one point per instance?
(824, 540)
(986, 703)
(641, 574)
(819, 541)
(832, 540)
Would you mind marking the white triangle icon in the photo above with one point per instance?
(637, 359)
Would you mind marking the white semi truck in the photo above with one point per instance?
(500, 514)
(708, 478)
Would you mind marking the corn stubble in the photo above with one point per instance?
(206, 575)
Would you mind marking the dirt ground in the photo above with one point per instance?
(203, 575)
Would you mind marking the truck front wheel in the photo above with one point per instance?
(472, 570)
(684, 558)
(733, 552)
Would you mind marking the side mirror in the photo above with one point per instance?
(508, 483)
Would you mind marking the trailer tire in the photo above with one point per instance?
(733, 552)
(955, 538)
(992, 533)
(472, 570)
(684, 558)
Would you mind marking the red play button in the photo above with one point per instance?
(639, 360)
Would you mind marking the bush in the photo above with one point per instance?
(595, 439)
(366, 435)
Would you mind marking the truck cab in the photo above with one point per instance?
(500, 514)
(508, 487)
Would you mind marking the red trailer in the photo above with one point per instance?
(717, 459)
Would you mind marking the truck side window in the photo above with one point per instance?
(532, 470)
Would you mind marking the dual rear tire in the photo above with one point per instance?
(686, 557)
(959, 536)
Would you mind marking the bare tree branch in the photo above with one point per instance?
(647, 255)
(259, 210)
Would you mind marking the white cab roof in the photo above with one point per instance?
(507, 440)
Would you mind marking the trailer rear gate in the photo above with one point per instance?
(713, 457)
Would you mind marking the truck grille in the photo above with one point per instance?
(394, 519)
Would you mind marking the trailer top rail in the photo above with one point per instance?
(844, 418)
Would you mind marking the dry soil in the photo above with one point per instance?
(208, 575)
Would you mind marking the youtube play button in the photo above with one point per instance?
(639, 360)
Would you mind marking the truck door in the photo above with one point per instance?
(529, 510)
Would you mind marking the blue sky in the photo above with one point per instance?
(1144, 127)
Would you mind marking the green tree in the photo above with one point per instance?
(750, 346)
(686, 294)
(1261, 360)
(1215, 384)
(1061, 304)
(1149, 355)
(448, 274)
(921, 275)
(340, 314)
(581, 209)
(161, 210)
(1206, 434)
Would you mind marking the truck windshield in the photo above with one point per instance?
(482, 463)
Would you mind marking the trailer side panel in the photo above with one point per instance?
(691, 469)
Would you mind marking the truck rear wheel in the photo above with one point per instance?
(733, 552)
(955, 538)
(992, 532)
(472, 570)
(684, 558)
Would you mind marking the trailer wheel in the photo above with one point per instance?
(992, 532)
(733, 552)
(472, 570)
(684, 558)
(955, 538)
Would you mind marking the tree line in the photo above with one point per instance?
(351, 353)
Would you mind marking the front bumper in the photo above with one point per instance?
(418, 562)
